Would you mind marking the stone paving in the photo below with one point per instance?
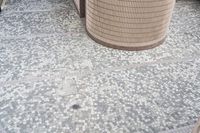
(55, 79)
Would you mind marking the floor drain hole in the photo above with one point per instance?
(76, 106)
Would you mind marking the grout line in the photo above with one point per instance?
(134, 65)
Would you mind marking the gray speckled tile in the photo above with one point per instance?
(74, 53)
(69, 50)
(46, 56)
(186, 129)
(42, 56)
(144, 99)
(29, 5)
(25, 23)
(36, 23)
(36, 107)
(67, 21)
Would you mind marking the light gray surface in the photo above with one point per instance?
(45, 56)
(186, 129)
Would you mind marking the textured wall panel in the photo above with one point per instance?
(2, 3)
(80, 5)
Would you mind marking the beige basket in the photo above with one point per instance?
(128, 24)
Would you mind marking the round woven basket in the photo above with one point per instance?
(128, 24)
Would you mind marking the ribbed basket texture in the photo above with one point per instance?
(128, 23)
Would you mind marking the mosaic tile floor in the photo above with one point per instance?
(55, 79)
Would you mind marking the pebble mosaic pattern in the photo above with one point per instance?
(54, 78)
